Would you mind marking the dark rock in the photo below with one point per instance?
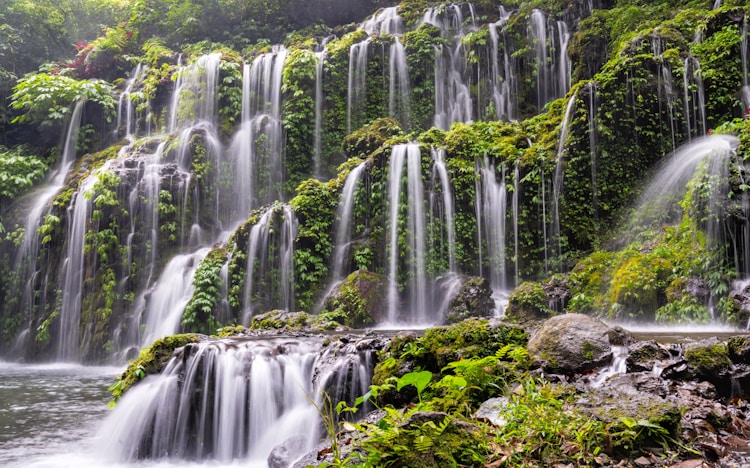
(473, 298)
(571, 343)
(558, 293)
(285, 454)
(643, 355)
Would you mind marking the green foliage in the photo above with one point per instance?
(46, 98)
(200, 314)
(19, 170)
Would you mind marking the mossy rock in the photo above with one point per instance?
(473, 300)
(528, 302)
(293, 321)
(572, 343)
(151, 361)
(358, 300)
(709, 361)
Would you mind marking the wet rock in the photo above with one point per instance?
(558, 293)
(285, 454)
(643, 355)
(571, 344)
(359, 299)
(472, 299)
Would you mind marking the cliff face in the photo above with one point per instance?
(426, 144)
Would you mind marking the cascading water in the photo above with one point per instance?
(344, 223)
(504, 85)
(491, 206)
(550, 40)
(694, 99)
(270, 248)
(236, 400)
(26, 257)
(453, 101)
(557, 182)
(407, 261)
(74, 271)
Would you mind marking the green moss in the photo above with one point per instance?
(528, 302)
(150, 361)
(709, 361)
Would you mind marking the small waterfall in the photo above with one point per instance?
(408, 261)
(165, 302)
(452, 94)
(26, 257)
(235, 400)
(74, 270)
(665, 88)
(344, 223)
(399, 90)
(669, 184)
(126, 103)
(694, 99)
(270, 249)
(440, 173)
(491, 206)
(257, 148)
(550, 40)
(195, 96)
(557, 182)
(504, 85)
(357, 88)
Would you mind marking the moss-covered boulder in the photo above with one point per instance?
(528, 302)
(473, 299)
(571, 343)
(358, 300)
(151, 361)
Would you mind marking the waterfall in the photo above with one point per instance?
(257, 148)
(440, 173)
(399, 91)
(413, 266)
(491, 207)
(344, 223)
(557, 182)
(74, 270)
(26, 257)
(552, 71)
(357, 87)
(169, 296)
(235, 400)
(694, 99)
(194, 98)
(270, 247)
(452, 94)
(665, 88)
(125, 104)
(504, 86)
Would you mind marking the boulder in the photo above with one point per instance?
(359, 299)
(528, 302)
(473, 298)
(571, 344)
